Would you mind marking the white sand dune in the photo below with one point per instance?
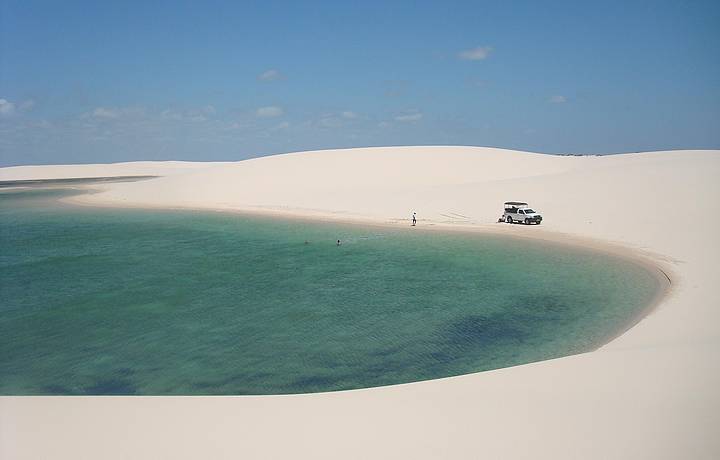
(651, 393)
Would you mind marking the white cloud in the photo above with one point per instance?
(241, 125)
(269, 112)
(558, 99)
(475, 54)
(102, 112)
(114, 113)
(409, 117)
(171, 115)
(196, 115)
(7, 108)
(270, 75)
(335, 120)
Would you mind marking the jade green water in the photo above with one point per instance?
(99, 301)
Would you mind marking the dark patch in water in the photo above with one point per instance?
(488, 336)
(57, 390)
(250, 383)
(111, 387)
(384, 352)
(315, 382)
(477, 331)
(545, 308)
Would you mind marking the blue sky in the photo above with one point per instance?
(115, 81)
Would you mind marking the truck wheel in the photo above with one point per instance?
(508, 219)
(527, 221)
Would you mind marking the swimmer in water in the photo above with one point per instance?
(338, 243)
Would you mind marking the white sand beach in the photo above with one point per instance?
(651, 393)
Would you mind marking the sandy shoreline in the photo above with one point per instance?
(651, 393)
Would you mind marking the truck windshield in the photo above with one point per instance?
(529, 211)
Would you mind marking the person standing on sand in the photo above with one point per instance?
(414, 219)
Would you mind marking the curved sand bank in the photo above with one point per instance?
(651, 393)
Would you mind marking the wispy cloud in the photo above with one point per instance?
(111, 113)
(270, 75)
(195, 115)
(102, 112)
(269, 112)
(409, 117)
(557, 99)
(336, 120)
(475, 54)
(7, 108)
(181, 116)
(119, 129)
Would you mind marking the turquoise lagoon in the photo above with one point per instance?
(145, 302)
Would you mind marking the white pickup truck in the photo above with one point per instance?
(516, 211)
